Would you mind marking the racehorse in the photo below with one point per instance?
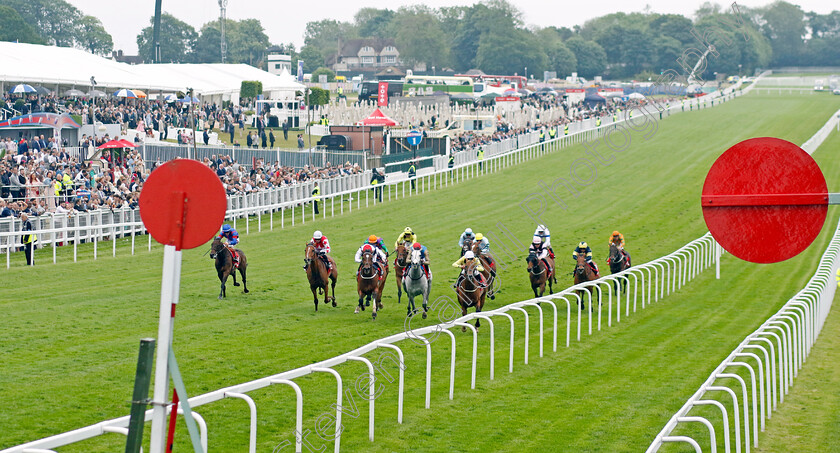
(416, 283)
(584, 273)
(224, 265)
(400, 263)
(471, 292)
(538, 274)
(489, 265)
(467, 246)
(368, 283)
(618, 262)
(319, 277)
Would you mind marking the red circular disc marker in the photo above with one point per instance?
(183, 203)
(765, 200)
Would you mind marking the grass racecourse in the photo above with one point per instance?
(69, 342)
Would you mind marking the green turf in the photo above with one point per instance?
(71, 335)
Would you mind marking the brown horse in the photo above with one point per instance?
(538, 274)
(318, 275)
(400, 263)
(225, 267)
(489, 265)
(368, 283)
(471, 292)
(584, 273)
(619, 260)
(467, 246)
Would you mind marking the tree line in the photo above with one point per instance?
(490, 35)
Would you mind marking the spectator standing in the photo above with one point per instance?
(28, 238)
(300, 142)
(5, 182)
(271, 138)
(316, 192)
(286, 129)
(16, 183)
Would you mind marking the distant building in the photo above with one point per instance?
(366, 53)
(278, 60)
(118, 56)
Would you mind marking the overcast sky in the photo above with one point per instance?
(285, 21)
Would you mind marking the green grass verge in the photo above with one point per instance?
(71, 334)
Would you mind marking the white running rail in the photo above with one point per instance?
(772, 355)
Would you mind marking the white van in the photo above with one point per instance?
(819, 85)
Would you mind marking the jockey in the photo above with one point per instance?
(406, 236)
(545, 236)
(616, 236)
(377, 242)
(467, 234)
(483, 243)
(466, 261)
(322, 247)
(541, 251)
(618, 239)
(584, 249)
(379, 257)
(424, 260)
(232, 238)
(484, 249)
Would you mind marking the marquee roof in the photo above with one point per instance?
(50, 65)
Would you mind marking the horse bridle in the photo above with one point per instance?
(214, 253)
(422, 274)
(538, 265)
(373, 275)
(619, 254)
(307, 259)
(399, 257)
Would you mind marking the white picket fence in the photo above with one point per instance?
(795, 328)
(646, 284)
(294, 203)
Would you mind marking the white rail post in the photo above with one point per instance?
(252, 445)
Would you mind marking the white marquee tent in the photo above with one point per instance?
(63, 68)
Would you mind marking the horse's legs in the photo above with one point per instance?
(399, 286)
(233, 274)
(463, 313)
(314, 295)
(426, 292)
(375, 302)
(223, 275)
(244, 281)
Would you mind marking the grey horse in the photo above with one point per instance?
(415, 283)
